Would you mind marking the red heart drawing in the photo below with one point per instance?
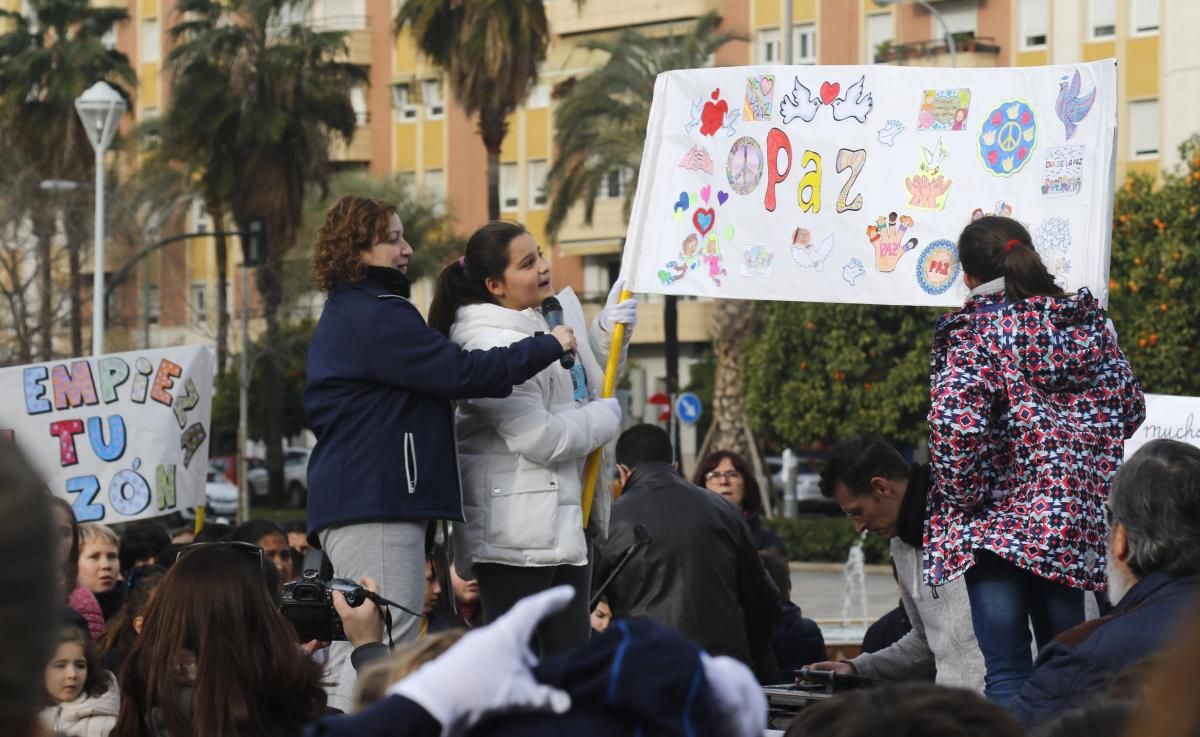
(703, 219)
(996, 118)
(1021, 152)
(829, 92)
(993, 157)
(712, 117)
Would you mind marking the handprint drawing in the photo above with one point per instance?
(887, 238)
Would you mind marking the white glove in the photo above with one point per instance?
(612, 404)
(488, 670)
(739, 699)
(616, 311)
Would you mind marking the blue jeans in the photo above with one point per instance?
(1004, 600)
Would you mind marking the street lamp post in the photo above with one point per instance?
(940, 19)
(100, 108)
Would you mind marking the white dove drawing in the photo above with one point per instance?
(800, 104)
(932, 159)
(812, 258)
(854, 103)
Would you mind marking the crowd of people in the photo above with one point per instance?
(448, 481)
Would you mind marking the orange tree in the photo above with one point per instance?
(1154, 292)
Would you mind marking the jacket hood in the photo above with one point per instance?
(471, 320)
(1068, 353)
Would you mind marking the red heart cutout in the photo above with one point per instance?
(1025, 118)
(993, 157)
(703, 219)
(829, 92)
(1021, 152)
(996, 118)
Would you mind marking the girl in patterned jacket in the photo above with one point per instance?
(1032, 400)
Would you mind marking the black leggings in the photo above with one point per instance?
(501, 586)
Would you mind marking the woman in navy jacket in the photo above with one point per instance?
(380, 385)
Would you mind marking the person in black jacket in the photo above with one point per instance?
(1153, 516)
(380, 381)
(727, 473)
(701, 573)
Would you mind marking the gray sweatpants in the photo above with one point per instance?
(391, 553)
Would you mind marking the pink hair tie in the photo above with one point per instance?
(462, 262)
(1011, 244)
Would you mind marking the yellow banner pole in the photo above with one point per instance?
(199, 523)
(591, 470)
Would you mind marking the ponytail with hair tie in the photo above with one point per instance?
(994, 246)
(1012, 243)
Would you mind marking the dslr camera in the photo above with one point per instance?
(308, 602)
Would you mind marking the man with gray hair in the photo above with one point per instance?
(1153, 515)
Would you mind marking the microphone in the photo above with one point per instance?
(553, 312)
(641, 539)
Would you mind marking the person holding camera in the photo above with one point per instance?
(378, 399)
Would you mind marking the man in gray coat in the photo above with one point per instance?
(885, 495)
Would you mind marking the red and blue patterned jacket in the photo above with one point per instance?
(1031, 404)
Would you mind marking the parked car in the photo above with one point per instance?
(807, 489)
(220, 496)
(295, 476)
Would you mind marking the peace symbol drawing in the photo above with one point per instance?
(1007, 137)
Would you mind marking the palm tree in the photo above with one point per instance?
(46, 61)
(490, 51)
(600, 125)
(256, 103)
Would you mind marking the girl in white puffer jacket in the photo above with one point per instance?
(522, 457)
(83, 697)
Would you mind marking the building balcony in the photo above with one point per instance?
(694, 323)
(972, 51)
(568, 17)
(359, 148)
(604, 235)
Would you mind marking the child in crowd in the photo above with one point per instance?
(126, 625)
(601, 617)
(375, 679)
(274, 542)
(78, 597)
(83, 697)
(99, 568)
(1032, 400)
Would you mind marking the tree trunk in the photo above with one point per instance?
(732, 323)
(269, 279)
(222, 246)
(493, 126)
(44, 227)
(76, 235)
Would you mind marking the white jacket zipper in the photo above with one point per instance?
(410, 462)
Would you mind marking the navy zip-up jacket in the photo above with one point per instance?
(1080, 662)
(380, 381)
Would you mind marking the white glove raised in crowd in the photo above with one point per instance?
(617, 310)
(612, 404)
(489, 670)
(741, 704)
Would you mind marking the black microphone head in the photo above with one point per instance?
(551, 304)
(641, 535)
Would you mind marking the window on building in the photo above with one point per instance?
(1035, 20)
(881, 29)
(804, 44)
(510, 187)
(200, 215)
(153, 305)
(539, 96)
(768, 47)
(431, 95)
(616, 182)
(537, 171)
(1102, 18)
(435, 186)
(1143, 128)
(199, 302)
(358, 100)
(1144, 16)
(402, 101)
(961, 16)
(109, 39)
(151, 41)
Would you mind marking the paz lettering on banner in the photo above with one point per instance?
(122, 436)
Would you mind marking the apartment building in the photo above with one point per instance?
(412, 129)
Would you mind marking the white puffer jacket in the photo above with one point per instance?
(521, 458)
(86, 716)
